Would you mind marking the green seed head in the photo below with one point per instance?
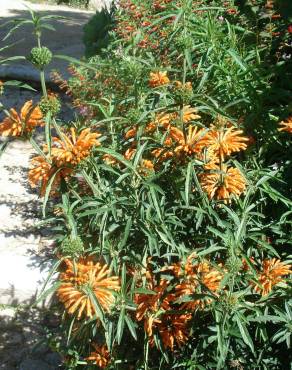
(51, 104)
(40, 57)
(72, 247)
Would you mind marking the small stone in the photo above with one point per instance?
(35, 365)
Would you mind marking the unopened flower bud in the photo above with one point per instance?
(40, 57)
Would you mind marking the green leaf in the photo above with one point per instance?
(19, 84)
(121, 325)
(131, 326)
(244, 333)
(48, 190)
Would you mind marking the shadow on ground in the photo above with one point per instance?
(65, 40)
(24, 334)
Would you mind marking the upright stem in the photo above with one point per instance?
(43, 83)
(42, 72)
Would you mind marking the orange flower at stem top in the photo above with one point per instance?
(154, 309)
(189, 114)
(161, 120)
(172, 329)
(24, 123)
(180, 85)
(72, 149)
(149, 304)
(225, 141)
(100, 356)
(158, 79)
(84, 281)
(198, 276)
(132, 132)
(223, 184)
(286, 125)
(146, 167)
(271, 274)
(42, 171)
(188, 143)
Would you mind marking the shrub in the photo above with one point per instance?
(97, 31)
(170, 195)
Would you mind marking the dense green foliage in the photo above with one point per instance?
(181, 188)
(96, 32)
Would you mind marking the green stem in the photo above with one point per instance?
(43, 83)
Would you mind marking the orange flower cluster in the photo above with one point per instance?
(165, 121)
(66, 153)
(271, 274)
(100, 356)
(41, 173)
(286, 125)
(84, 281)
(197, 275)
(71, 150)
(24, 123)
(211, 145)
(223, 142)
(156, 310)
(220, 181)
(158, 79)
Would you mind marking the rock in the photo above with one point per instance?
(35, 365)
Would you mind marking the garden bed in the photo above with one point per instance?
(168, 193)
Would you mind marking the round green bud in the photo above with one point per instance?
(40, 57)
(72, 246)
(51, 104)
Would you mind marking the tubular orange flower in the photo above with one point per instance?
(162, 119)
(189, 144)
(42, 171)
(71, 150)
(109, 159)
(151, 303)
(131, 132)
(100, 356)
(83, 279)
(153, 308)
(287, 125)
(158, 79)
(189, 114)
(162, 154)
(146, 167)
(180, 85)
(16, 125)
(173, 329)
(198, 274)
(223, 184)
(225, 141)
(129, 154)
(272, 273)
